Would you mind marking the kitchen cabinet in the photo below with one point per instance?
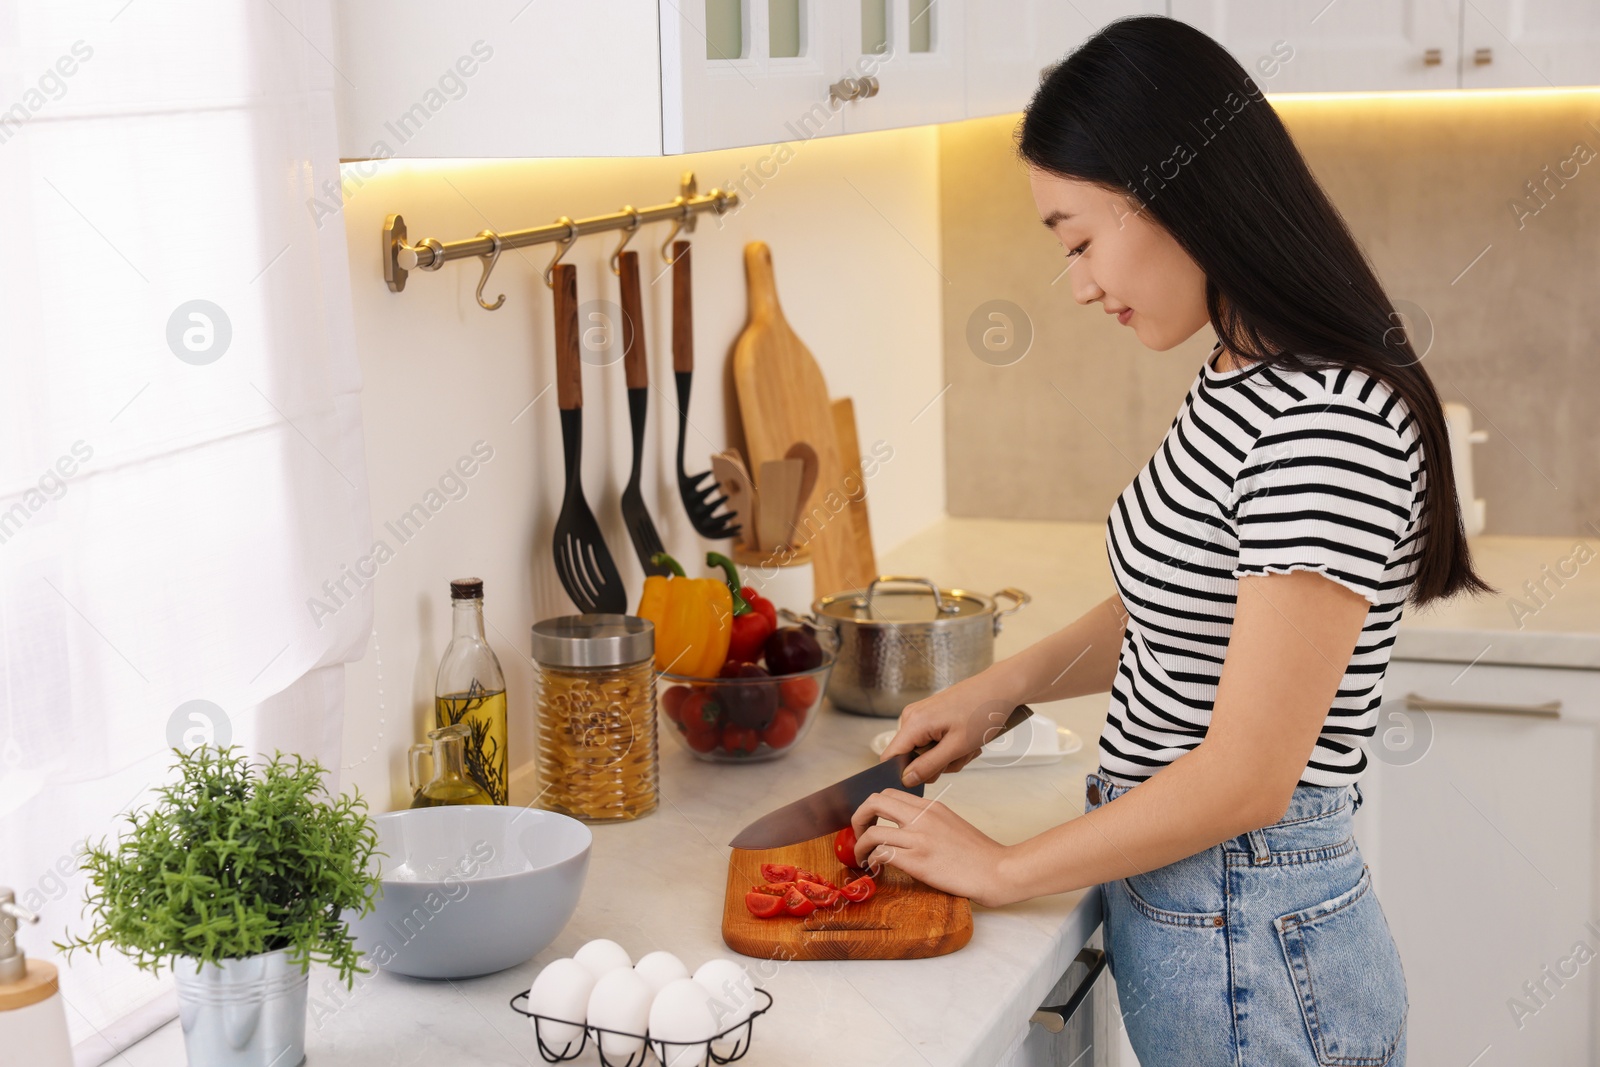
(1480, 830)
(1010, 43)
(1356, 45)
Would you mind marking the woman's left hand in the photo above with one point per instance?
(932, 844)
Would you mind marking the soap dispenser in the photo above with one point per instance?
(33, 1021)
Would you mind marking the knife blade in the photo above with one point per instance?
(829, 810)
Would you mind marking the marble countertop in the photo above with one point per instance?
(658, 883)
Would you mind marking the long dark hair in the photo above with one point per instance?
(1153, 107)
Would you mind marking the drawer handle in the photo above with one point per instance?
(1055, 1019)
(1551, 709)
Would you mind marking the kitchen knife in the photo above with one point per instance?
(829, 810)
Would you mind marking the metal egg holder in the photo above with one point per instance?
(651, 1044)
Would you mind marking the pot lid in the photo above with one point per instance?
(904, 600)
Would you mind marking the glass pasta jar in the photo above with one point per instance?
(597, 716)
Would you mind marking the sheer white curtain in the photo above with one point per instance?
(180, 441)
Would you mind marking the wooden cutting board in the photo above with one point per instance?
(904, 920)
(783, 399)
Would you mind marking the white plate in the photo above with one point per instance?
(1047, 742)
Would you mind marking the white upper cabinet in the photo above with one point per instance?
(1349, 45)
(912, 51)
(419, 78)
(743, 72)
(1512, 43)
(1011, 42)
(1354, 45)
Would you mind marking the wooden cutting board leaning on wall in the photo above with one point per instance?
(783, 399)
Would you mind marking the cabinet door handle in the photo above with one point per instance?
(1483, 57)
(1432, 57)
(1550, 709)
(1055, 1019)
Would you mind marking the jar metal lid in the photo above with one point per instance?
(598, 640)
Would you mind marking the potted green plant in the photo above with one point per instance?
(237, 877)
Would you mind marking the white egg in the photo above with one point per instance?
(621, 1001)
(681, 1015)
(658, 968)
(561, 991)
(602, 955)
(733, 998)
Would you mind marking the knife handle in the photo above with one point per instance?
(1018, 715)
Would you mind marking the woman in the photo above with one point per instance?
(1262, 559)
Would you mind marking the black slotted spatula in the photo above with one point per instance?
(583, 562)
(701, 500)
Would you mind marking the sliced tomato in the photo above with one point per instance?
(795, 902)
(821, 895)
(778, 872)
(860, 889)
(844, 846)
(763, 905)
(803, 875)
(773, 889)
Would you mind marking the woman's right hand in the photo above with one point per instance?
(956, 720)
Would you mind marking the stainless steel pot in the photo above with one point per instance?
(904, 638)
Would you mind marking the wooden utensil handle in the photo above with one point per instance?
(761, 283)
(569, 365)
(682, 309)
(634, 365)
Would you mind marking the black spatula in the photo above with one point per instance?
(699, 499)
(583, 562)
(636, 367)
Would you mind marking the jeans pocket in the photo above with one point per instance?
(1188, 892)
(1347, 975)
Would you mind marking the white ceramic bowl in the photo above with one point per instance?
(471, 889)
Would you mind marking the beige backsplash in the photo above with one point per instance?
(1426, 183)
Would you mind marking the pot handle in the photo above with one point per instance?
(1020, 600)
(933, 587)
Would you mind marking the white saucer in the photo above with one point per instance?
(1039, 740)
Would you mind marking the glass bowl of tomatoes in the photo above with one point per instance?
(742, 720)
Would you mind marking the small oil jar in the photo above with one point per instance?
(597, 716)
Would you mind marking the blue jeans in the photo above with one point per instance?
(1268, 949)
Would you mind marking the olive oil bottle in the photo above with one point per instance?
(471, 690)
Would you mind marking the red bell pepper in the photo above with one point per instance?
(754, 617)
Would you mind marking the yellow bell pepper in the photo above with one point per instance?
(693, 619)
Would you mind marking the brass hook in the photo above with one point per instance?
(488, 265)
(561, 248)
(677, 225)
(627, 235)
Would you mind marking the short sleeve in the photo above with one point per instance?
(1328, 487)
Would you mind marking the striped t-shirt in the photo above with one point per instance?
(1262, 471)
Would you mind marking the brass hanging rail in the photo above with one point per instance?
(401, 257)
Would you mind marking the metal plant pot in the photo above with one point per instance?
(248, 1012)
(907, 641)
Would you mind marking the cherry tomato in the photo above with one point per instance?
(844, 847)
(763, 906)
(794, 902)
(783, 729)
(702, 738)
(698, 711)
(798, 693)
(778, 872)
(859, 890)
(672, 702)
(823, 896)
(740, 739)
